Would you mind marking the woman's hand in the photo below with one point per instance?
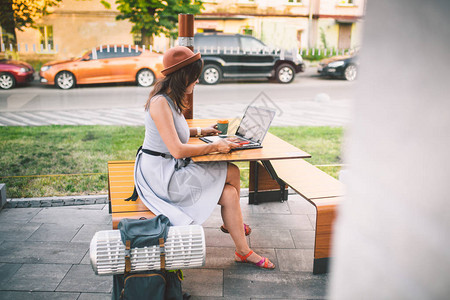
(211, 130)
(224, 145)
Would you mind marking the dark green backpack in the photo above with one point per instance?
(155, 284)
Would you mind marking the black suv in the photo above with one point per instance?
(243, 56)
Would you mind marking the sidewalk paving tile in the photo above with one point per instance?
(55, 232)
(18, 215)
(271, 238)
(214, 237)
(271, 208)
(42, 252)
(17, 232)
(219, 298)
(276, 284)
(295, 260)
(81, 278)
(89, 206)
(280, 221)
(300, 206)
(36, 277)
(61, 215)
(86, 233)
(11, 295)
(94, 296)
(223, 258)
(7, 271)
(303, 239)
(202, 282)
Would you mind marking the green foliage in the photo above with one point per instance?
(153, 17)
(20, 14)
(323, 38)
(320, 53)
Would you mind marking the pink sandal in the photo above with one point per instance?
(247, 229)
(263, 263)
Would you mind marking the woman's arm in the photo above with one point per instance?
(162, 116)
(211, 130)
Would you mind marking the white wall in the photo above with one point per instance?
(392, 236)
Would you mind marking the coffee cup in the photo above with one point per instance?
(222, 125)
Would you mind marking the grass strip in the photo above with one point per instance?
(76, 152)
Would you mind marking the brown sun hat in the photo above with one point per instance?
(177, 57)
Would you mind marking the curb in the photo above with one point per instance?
(75, 200)
(56, 201)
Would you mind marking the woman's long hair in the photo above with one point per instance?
(175, 84)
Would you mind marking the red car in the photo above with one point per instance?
(13, 72)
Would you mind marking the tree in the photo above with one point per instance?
(153, 17)
(21, 14)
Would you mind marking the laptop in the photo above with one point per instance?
(251, 131)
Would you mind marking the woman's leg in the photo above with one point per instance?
(232, 215)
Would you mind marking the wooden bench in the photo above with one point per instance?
(316, 186)
(319, 188)
(120, 187)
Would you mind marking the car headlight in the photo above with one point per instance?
(45, 68)
(23, 70)
(336, 64)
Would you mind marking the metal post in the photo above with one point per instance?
(186, 38)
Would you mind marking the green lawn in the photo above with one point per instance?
(78, 155)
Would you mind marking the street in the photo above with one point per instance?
(309, 100)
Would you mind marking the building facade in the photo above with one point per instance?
(77, 26)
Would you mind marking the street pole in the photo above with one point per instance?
(186, 38)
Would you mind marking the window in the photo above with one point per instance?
(227, 42)
(295, 1)
(346, 2)
(116, 52)
(137, 38)
(251, 44)
(46, 38)
(202, 42)
(6, 38)
(247, 31)
(299, 38)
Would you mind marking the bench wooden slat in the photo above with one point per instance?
(121, 186)
(307, 180)
(116, 217)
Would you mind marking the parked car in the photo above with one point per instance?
(345, 67)
(14, 72)
(105, 65)
(243, 56)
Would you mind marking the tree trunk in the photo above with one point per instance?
(147, 38)
(8, 24)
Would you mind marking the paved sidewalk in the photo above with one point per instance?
(44, 254)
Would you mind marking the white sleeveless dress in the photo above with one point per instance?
(184, 191)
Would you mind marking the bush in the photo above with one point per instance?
(316, 54)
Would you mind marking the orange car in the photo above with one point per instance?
(106, 64)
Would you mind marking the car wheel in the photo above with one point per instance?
(211, 74)
(145, 78)
(285, 73)
(7, 81)
(350, 73)
(65, 80)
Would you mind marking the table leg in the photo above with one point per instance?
(264, 184)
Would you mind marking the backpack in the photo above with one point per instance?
(155, 284)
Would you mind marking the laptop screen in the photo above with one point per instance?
(255, 123)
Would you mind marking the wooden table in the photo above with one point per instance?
(264, 184)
